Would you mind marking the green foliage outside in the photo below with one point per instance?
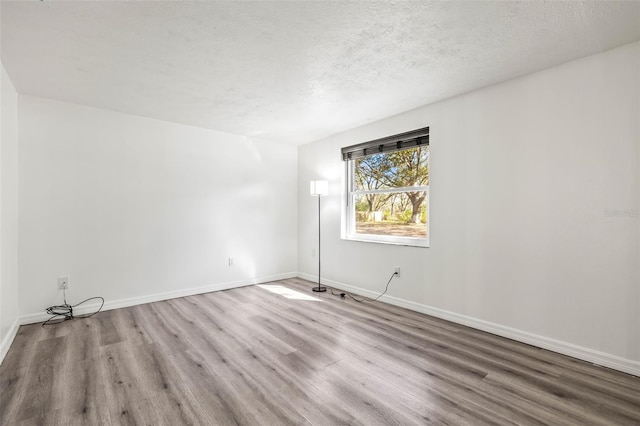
(399, 169)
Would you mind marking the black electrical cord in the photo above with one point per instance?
(60, 313)
(364, 299)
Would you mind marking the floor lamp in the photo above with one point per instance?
(318, 188)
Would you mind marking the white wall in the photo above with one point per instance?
(521, 175)
(135, 209)
(8, 213)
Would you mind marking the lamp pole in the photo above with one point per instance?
(319, 288)
(318, 189)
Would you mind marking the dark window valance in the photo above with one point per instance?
(387, 144)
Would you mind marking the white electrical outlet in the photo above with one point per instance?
(63, 283)
(397, 271)
(231, 261)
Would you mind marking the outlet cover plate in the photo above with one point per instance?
(63, 283)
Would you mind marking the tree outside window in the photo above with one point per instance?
(389, 194)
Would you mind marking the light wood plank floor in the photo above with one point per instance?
(252, 357)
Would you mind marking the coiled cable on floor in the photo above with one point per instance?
(60, 313)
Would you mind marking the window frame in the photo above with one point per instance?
(350, 212)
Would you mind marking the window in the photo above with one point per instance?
(388, 189)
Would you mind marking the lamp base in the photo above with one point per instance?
(319, 289)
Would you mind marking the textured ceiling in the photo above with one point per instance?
(291, 71)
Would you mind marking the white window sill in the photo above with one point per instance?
(410, 242)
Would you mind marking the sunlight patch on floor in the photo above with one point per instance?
(287, 292)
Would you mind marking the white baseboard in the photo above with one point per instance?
(8, 339)
(123, 303)
(565, 348)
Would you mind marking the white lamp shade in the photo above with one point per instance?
(319, 187)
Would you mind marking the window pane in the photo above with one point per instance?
(399, 169)
(400, 214)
